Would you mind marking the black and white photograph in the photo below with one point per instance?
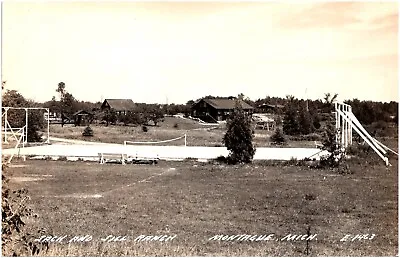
(199, 128)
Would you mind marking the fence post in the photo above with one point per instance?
(185, 140)
(5, 126)
(26, 123)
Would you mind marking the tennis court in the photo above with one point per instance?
(91, 152)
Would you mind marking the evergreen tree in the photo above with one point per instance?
(278, 137)
(238, 138)
(305, 122)
(290, 120)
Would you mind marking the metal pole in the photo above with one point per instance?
(346, 133)
(342, 126)
(5, 126)
(48, 125)
(337, 123)
(351, 128)
(26, 125)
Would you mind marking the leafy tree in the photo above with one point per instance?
(155, 114)
(190, 103)
(328, 102)
(110, 117)
(13, 98)
(16, 118)
(67, 104)
(53, 105)
(316, 120)
(238, 138)
(61, 89)
(336, 157)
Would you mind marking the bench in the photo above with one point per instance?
(142, 160)
(106, 156)
(124, 158)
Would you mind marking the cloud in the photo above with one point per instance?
(326, 15)
(385, 24)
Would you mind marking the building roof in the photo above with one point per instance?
(226, 103)
(120, 104)
(82, 112)
(270, 106)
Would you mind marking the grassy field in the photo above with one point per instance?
(196, 201)
(197, 134)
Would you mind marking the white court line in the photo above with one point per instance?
(101, 194)
(141, 181)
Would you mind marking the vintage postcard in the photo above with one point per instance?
(207, 128)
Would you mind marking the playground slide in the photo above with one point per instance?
(346, 120)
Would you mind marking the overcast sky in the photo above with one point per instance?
(149, 52)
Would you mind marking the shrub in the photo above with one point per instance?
(363, 153)
(88, 131)
(239, 136)
(145, 129)
(221, 159)
(62, 158)
(308, 137)
(176, 126)
(14, 211)
(278, 137)
(336, 157)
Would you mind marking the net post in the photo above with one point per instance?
(23, 144)
(5, 126)
(346, 133)
(26, 124)
(351, 128)
(48, 125)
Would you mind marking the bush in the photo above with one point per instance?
(14, 211)
(221, 159)
(88, 131)
(176, 126)
(308, 137)
(363, 153)
(278, 137)
(238, 138)
(336, 157)
(145, 129)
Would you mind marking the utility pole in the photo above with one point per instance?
(166, 107)
(306, 101)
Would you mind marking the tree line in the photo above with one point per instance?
(299, 116)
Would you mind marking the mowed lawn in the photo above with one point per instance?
(197, 201)
(197, 134)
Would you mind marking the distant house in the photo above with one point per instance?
(82, 117)
(213, 110)
(120, 106)
(269, 108)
